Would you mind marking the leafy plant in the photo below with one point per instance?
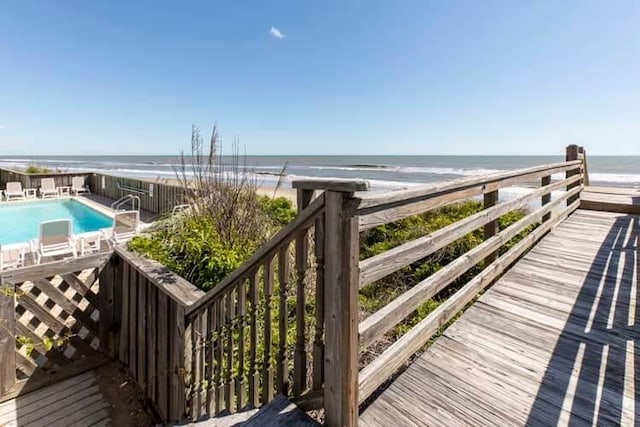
(388, 236)
(35, 169)
(223, 190)
(225, 223)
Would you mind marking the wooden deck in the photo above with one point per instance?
(74, 402)
(623, 200)
(554, 341)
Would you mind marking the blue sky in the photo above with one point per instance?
(358, 77)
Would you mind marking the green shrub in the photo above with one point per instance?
(385, 237)
(35, 169)
(280, 210)
(191, 246)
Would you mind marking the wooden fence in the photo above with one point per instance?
(33, 180)
(49, 323)
(251, 337)
(155, 197)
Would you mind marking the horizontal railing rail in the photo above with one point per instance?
(377, 372)
(381, 265)
(389, 206)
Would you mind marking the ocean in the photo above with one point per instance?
(381, 171)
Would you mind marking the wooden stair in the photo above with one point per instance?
(280, 412)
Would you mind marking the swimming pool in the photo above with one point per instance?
(20, 221)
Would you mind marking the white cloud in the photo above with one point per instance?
(276, 33)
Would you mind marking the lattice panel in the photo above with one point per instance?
(56, 322)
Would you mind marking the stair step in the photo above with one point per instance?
(230, 420)
(280, 412)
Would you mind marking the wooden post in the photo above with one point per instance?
(318, 336)
(7, 338)
(582, 155)
(546, 180)
(572, 154)
(106, 307)
(341, 311)
(302, 249)
(491, 228)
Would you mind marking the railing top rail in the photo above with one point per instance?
(339, 185)
(302, 221)
(53, 268)
(176, 287)
(408, 195)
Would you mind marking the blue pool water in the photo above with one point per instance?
(20, 221)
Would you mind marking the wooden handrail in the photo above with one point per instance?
(398, 309)
(381, 265)
(377, 372)
(381, 208)
(304, 220)
(405, 195)
(176, 287)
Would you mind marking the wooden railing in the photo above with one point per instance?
(49, 323)
(144, 326)
(260, 331)
(256, 334)
(347, 214)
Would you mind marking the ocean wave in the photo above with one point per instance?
(372, 168)
(411, 169)
(449, 171)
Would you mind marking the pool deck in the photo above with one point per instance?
(103, 204)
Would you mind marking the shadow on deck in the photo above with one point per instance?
(554, 341)
(603, 346)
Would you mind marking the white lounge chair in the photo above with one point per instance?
(89, 242)
(56, 238)
(48, 188)
(14, 191)
(125, 226)
(13, 255)
(78, 186)
(180, 208)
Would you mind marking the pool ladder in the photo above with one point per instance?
(129, 198)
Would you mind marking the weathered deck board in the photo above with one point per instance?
(556, 340)
(77, 400)
(623, 200)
